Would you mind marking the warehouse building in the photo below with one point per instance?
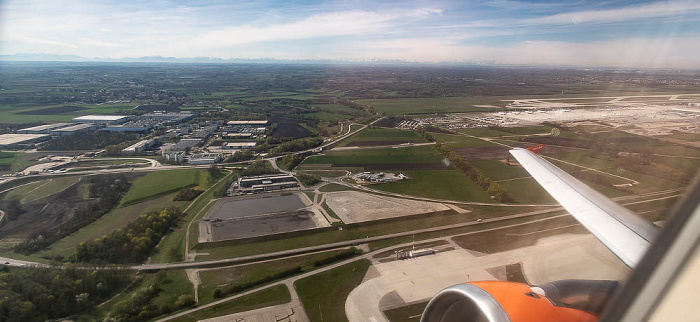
(42, 129)
(73, 129)
(102, 119)
(21, 141)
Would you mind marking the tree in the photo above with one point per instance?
(14, 209)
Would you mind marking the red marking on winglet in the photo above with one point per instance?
(536, 149)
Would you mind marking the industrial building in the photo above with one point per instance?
(21, 141)
(238, 145)
(42, 129)
(73, 129)
(167, 118)
(182, 145)
(102, 119)
(248, 123)
(256, 184)
(174, 156)
(141, 146)
(137, 128)
(205, 158)
(237, 135)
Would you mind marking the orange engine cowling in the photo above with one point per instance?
(495, 301)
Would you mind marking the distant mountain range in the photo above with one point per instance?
(207, 60)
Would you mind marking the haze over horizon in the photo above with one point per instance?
(647, 34)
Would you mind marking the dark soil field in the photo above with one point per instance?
(374, 143)
(397, 166)
(290, 130)
(54, 110)
(388, 122)
(482, 153)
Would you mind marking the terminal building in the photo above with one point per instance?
(257, 184)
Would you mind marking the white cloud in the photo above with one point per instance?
(645, 11)
(320, 25)
(100, 43)
(636, 52)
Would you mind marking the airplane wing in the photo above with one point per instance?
(627, 235)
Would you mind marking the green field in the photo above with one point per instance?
(497, 170)
(439, 184)
(158, 183)
(416, 154)
(395, 136)
(215, 278)
(324, 294)
(17, 114)
(41, 189)
(484, 132)
(459, 141)
(275, 295)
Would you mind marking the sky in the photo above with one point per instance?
(647, 34)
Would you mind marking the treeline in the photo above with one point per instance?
(343, 255)
(139, 306)
(132, 244)
(235, 288)
(290, 161)
(107, 189)
(257, 168)
(187, 194)
(308, 179)
(425, 134)
(243, 155)
(640, 164)
(297, 145)
(87, 141)
(40, 294)
(495, 190)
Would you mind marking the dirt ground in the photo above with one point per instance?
(262, 225)
(354, 206)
